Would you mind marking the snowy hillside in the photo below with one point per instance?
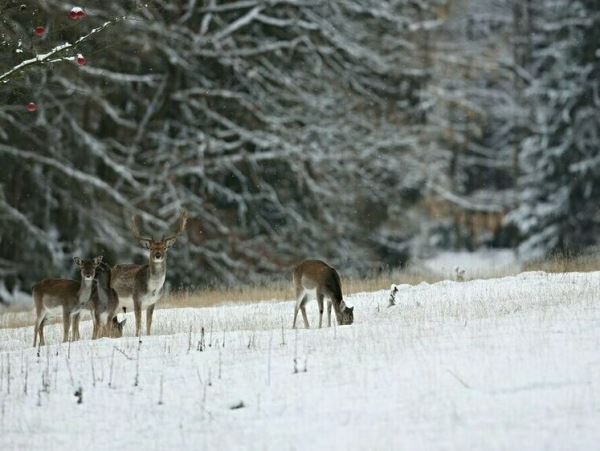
(509, 363)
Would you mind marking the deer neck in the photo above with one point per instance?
(157, 269)
(103, 287)
(157, 272)
(85, 290)
(338, 307)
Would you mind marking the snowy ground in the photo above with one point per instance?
(473, 265)
(511, 363)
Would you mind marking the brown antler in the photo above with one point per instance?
(183, 217)
(136, 230)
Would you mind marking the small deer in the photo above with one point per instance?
(69, 295)
(141, 286)
(318, 276)
(103, 305)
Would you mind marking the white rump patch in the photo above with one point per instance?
(311, 294)
(126, 302)
(53, 311)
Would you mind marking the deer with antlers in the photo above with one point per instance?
(141, 286)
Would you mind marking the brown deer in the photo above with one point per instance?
(103, 305)
(141, 286)
(71, 296)
(318, 276)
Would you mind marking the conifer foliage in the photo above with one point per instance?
(559, 183)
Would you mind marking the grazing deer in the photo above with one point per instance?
(70, 295)
(141, 286)
(117, 327)
(318, 276)
(103, 305)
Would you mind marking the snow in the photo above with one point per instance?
(507, 363)
(13, 300)
(481, 263)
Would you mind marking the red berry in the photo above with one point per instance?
(80, 59)
(31, 107)
(76, 13)
(39, 31)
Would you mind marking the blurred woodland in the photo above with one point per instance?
(364, 132)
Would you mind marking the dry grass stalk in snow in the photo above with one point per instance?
(281, 288)
(565, 263)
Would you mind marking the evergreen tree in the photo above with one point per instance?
(560, 159)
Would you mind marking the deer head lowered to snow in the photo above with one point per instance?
(141, 286)
(318, 276)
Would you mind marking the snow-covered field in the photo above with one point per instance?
(473, 265)
(510, 363)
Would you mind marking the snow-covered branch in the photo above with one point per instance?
(57, 53)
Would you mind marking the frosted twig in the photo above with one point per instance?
(56, 51)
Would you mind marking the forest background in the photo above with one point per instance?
(367, 133)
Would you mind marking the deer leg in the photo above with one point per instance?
(137, 311)
(75, 327)
(149, 312)
(39, 315)
(106, 326)
(299, 301)
(35, 333)
(329, 313)
(110, 326)
(41, 331)
(296, 308)
(94, 326)
(66, 325)
(36, 329)
(304, 317)
(320, 302)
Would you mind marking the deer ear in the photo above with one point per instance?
(77, 260)
(351, 309)
(145, 244)
(170, 242)
(98, 260)
(122, 323)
